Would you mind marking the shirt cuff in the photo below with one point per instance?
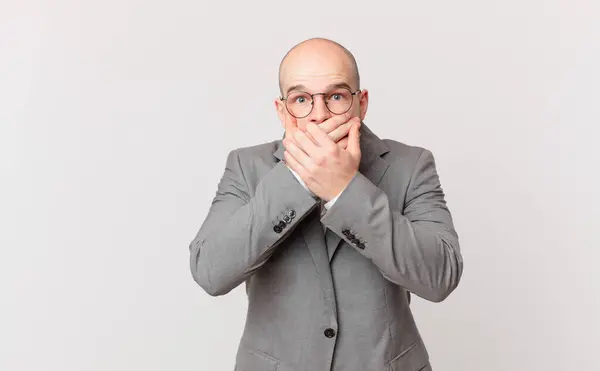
(330, 203)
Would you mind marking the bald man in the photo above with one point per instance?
(331, 229)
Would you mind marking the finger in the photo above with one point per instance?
(306, 143)
(319, 135)
(334, 122)
(354, 140)
(298, 152)
(342, 130)
(343, 143)
(291, 161)
(291, 125)
(310, 137)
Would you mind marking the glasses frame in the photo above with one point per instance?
(312, 103)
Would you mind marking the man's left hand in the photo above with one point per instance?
(325, 168)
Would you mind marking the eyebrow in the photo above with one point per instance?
(295, 87)
(328, 87)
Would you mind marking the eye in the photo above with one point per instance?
(336, 96)
(299, 98)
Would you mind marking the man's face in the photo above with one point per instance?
(327, 72)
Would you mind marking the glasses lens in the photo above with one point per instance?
(299, 104)
(339, 101)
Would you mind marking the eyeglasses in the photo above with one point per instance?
(300, 104)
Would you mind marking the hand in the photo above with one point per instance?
(325, 168)
(337, 127)
(343, 143)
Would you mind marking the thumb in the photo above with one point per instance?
(354, 140)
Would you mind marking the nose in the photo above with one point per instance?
(319, 112)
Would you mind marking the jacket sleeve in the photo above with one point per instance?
(240, 231)
(417, 247)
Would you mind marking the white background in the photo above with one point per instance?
(116, 118)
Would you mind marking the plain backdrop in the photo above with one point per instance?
(116, 118)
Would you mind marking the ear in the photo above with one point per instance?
(280, 108)
(364, 103)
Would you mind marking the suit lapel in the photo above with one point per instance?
(315, 241)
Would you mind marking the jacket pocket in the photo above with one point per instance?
(250, 360)
(414, 358)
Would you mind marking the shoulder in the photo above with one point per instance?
(258, 152)
(253, 161)
(405, 154)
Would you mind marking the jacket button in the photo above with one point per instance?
(360, 245)
(277, 228)
(287, 219)
(346, 232)
(292, 214)
(354, 240)
(329, 332)
(282, 224)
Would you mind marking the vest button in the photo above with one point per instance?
(329, 332)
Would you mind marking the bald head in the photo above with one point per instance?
(315, 59)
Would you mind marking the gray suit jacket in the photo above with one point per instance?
(338, 301)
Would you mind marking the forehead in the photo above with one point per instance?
(316, 70)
